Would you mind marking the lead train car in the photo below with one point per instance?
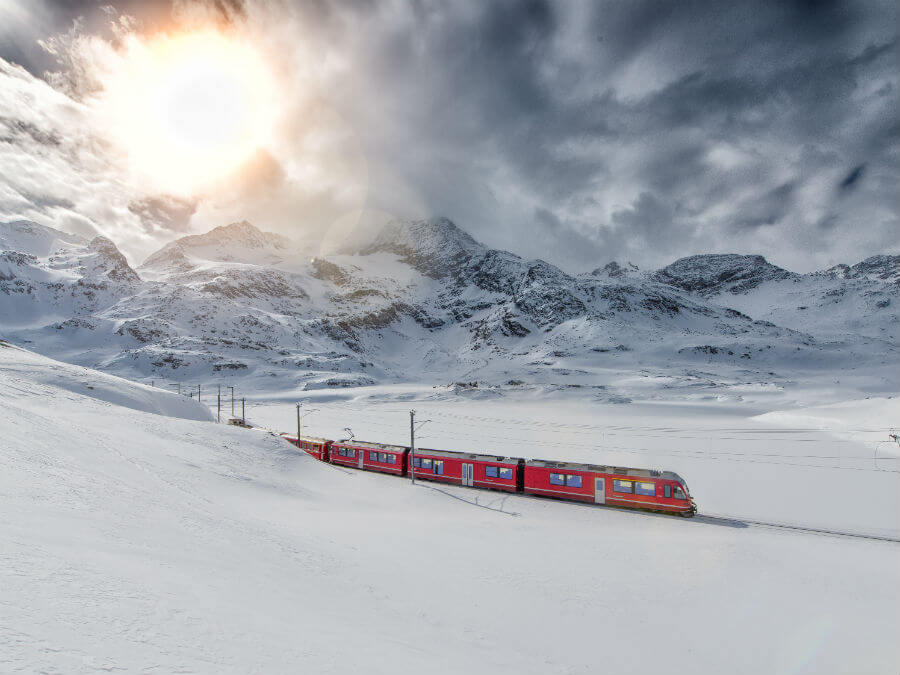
(468, 469)
(616, 486)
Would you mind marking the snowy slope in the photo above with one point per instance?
(422, 301)
(138, 542)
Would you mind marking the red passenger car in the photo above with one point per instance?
(468, 470)
(317, 447)
(617, 486)
(370, 456)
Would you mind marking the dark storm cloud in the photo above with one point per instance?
(612, 129)
(853, 177)
(725, 116)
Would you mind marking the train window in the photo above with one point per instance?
(342, 452)
(417, 461)
(645, 489)
(557, 479)
(373, 456)
(439, 467)
(392, 459)
(351, 452)
(667, 490)
(623, 486)
(490, 471)
(573, 481)
(506, 474)
(426, 463)
(679, 493)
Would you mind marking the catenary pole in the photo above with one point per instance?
(298, 423)
(232, 401)
(219, 405)
(243, 416)
(412, 445)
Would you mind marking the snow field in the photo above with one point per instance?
(830, 472)
(150, 543)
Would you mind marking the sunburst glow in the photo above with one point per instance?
(190, 109)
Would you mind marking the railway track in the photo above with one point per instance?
(739, 522)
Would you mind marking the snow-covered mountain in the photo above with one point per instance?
(423, 301)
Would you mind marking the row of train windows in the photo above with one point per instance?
(383, 457)
(347, 452)
(634, 487)
(565, 479)
(436, 466)
(498, 472)
(648, 489)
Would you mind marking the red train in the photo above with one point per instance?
(617, 486)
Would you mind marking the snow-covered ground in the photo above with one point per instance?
(810, 467)
(148, 542)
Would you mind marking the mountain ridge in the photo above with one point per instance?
(425, 298)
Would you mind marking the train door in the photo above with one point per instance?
(599, 490)
(362, 455)
(468, 475)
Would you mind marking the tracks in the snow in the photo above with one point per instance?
(738, 522)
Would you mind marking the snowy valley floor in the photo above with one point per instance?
(138, 536)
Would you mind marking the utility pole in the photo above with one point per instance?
(412, 445)
(219, 405)
(243, 416)
(198, 393)
(298, 423)
(232, 401)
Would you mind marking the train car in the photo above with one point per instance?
(617, 486)
(468, 469)
(370, 456)
(317, 447)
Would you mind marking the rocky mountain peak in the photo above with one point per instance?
(884, 268)
(242, 234)
(236, 242)
(29, 237)
(434, 246)
(614, 270)
(710, 274)
(108, 261)
(878, 268)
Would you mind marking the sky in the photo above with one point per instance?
(576, 132)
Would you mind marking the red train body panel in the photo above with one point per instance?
(317, 447)
(593, 483)
(370, 456)
(468, 469)
(616, 486)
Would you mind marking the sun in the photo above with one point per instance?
(189, 110)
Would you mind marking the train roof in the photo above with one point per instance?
(308, 439)
(468, 455)
(599, 468)
(373, 446)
